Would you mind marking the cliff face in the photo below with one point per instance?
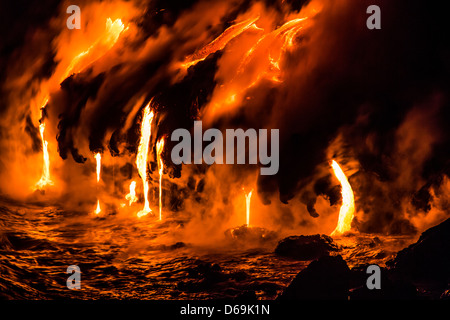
(427, 260)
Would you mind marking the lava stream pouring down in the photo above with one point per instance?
(45, 178)
(347, 209)
(248, 197)
(142, 155)
(98, 159)
(131, 197)
(159, 150)
(98, 168)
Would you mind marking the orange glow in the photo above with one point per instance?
(142, 155)
(220, 42)
(267, 46)
(77, 64)
(96, 50)
(263, 60)
(98, 158)
(98, 209)
(159, 150)
(45, 178)
(248, 198)
(131, 197)
(347, 210)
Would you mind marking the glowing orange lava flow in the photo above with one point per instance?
(159, 150)
(98, 158)
(347, 210)
(220, 42)
(267, 46)
(248, 197)
(262, 61)
(141, 159)
(98, 210)
(99, 48)
(45, 178)
(112, 32)
(131, 197)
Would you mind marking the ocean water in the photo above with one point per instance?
(138, 259)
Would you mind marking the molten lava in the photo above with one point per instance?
(220, 42)
(98, 209)
(248, 197)
(270, 46)
(97, 49)
(98, 158)
(262, 61)
(45, 178)
(131, 197)
(159, 150)
(142, 155)
(347, 210)
(80, 62)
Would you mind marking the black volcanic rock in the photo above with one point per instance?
(326, 278)
(247, 295)
(207, 276)
(249, 235)
(18, 241)
(204, 277)
(172, 247)
(427, 260)
(306, 247)
(392, 287)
